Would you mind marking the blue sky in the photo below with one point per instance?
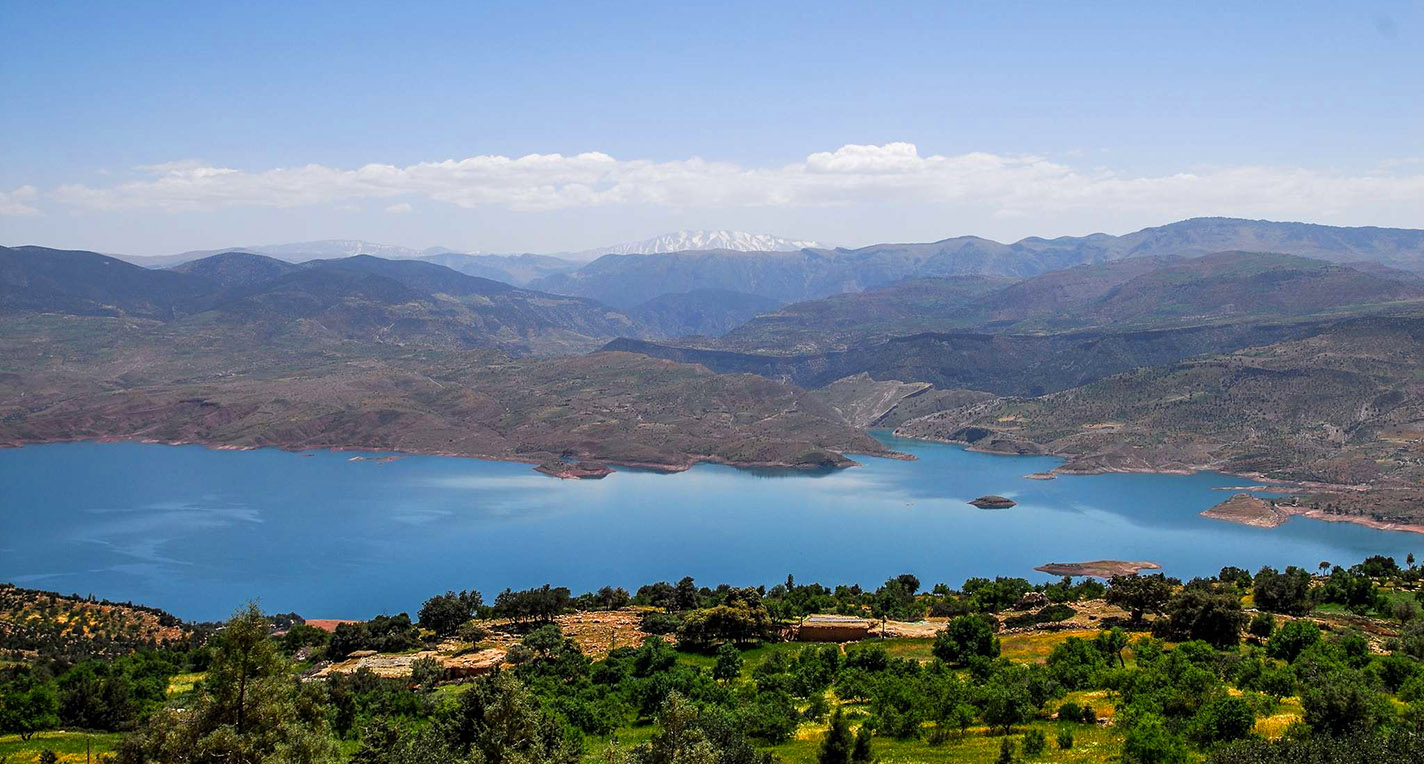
(255, 120)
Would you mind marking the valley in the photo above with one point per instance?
(1149, 352)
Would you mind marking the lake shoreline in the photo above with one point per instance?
(181, 526)
(1270, 484)
(605, 468)
(574, 472)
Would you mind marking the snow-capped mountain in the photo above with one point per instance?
(683, 241)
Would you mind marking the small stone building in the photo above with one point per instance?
(833, 628)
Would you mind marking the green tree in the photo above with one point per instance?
(426, 672)
(1139, 595)
(1341, 701)
(28, 704)
(250, 708)
(679, 739)
(498, 721)
(1262, 625)
(686, 595)
(301, 635)
(1216, 619)
(1075, 663)
(1222, 720)
(837, 744)
(966, 637)
(741, 618)
(861, 752)
(729, 663)
(1292, 639)
(546, 641)
(1111, 643)
(1287, 592)
(1411, 640)
(445, 613)
(1148, 741)
(1034, 741)
(1004, 702)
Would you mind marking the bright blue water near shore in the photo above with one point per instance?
(198, 531)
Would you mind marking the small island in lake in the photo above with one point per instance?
(574, 470)
(993, 502)
(1097, 568)
(1249, 510)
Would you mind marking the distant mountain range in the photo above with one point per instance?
(1141, 292)
(301, 251)
(1284, 348)
(683, 241)
(248, 298)
(626, 281)
(325, 249)
(1054, 331)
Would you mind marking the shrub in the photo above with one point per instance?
(1262, 625)
(472, 633)
(1065, 739)
(1034, 741)
(660, 623)
(1291, 640)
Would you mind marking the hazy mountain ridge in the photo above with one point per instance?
(814, 273)
(518, 270)
(1143, 292)
(1344, 405)
(1006, 364)
(709, 312)
(361, 298)
(683, 241)
(36, 279)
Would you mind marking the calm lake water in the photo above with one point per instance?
(198, 531)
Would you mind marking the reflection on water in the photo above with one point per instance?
(199, 531)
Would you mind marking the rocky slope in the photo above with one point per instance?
(1339, 414)
(144, 380)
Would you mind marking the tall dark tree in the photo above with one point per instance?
(498, 721)
(1202, 614)
(1278, 592)
(838, 743)
(251, 708)
(1139, 594)
(446, 613)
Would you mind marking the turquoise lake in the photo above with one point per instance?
(199, 531)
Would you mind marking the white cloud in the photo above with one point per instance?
(400, 209)
(1007, 186)
(16, 203)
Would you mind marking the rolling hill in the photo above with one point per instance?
(709, 312)
(361, 299)
(1139, 293)
(1344, 406)
(40, 280)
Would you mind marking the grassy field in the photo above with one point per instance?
(182, 684)
(70, 746)
(1090, 744)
